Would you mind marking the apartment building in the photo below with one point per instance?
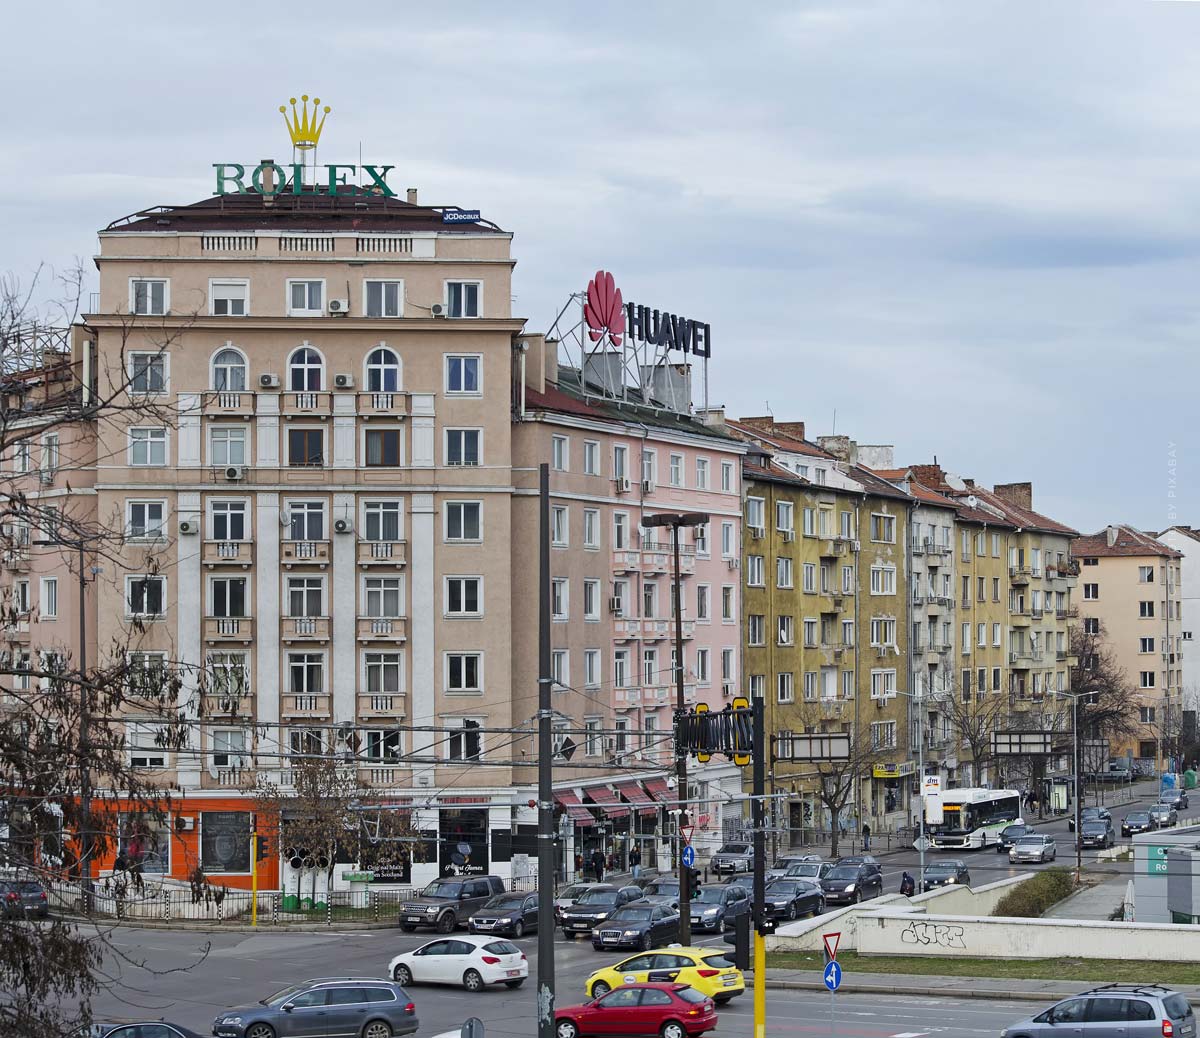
(1186, 541)
(1133, 600)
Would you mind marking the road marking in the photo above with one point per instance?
(911, 1034)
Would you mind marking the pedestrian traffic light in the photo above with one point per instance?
(766, 925)
(260, 848)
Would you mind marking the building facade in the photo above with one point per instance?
(1186, 541)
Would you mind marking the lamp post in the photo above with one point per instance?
(673, 521)
(918, 699)
(1075, 697)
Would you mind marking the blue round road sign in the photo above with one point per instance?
(833, 975)
(689, 856)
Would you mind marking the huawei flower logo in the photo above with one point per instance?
(604, 311)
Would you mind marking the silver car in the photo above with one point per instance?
(343, 1005)
(1039, 848)
(1163, 815)
(1113, 1011)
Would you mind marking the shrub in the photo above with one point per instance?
(1036, 894)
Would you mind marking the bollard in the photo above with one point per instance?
(374, 905)
(166, 905)
(275, 908)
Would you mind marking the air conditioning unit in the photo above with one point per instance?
(789, 536)
(439, 310)
(879, 704)
(183, 824)
(614, 605)
(189, 526)
(339, 306)
(268, 381)
(343, 526)
(855, 546)
(235, 473)
(756, 532)
(727, 689)
(343, 381)
(647, 486)
(623, 485)
(731, 563)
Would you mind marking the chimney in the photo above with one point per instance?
(877, 456)
(1019, 494)
(714, 417)
(931, 475)
(763, 423)
(412, 196)
(1112, 533)
(793, 429)
(841, 447)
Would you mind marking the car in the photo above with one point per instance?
(1136, 822)
(669, 1010)
(1128, 1010)
(23, 898)
(136, 1029)
(1089, 814)
(662, 891)
(815, 870)
(645, 877)
(782, 864)
(568, 896)
(449, 901)
(947, 872)
(472, 961)
(1097, 833)
(858, 859)
(1163, 816)
(744, 879)
(792, 898)
(594, 906)
(1010, 834)
(511, 913)
(850, 882)
(338, 1005)
(716, 907)
(1177, 798)
(709, 970)
(1038, 847)
(733, 857)
(640, 924)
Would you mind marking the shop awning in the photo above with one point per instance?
(637, 796)
(608, 801)
(578, 814)
(657, 788)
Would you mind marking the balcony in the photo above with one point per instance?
(16, 561)
(932, 547)
(307, 705)
(624, 629)
(1023, 659)
(918, 546)
(228, 629)
(220, 403)
(381, 704)
(305, 405)
(834, 604)
(217, 705)
(1036, 612)
(375, 553)
(834, 547)
(657, 559)
(658, 695)
(384, 776)
(657, 630)
(228, 553)
(382, 628)
(1019, 616)
(305, 628)
(383, 405)
(17, 631)
(627, 698)
(1019, 575)
(625, 560)
(304, 553)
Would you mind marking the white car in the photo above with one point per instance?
(472, 960)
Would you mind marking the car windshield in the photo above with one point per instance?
(1015, 830)
(573, 891)
(440, 888)
(630, 915)
(599, 897)
(29, 887)
(1138, 816)
(1095, 827)
(711, 895)
(1029, 841)
(661, 888)
(844, 872)
(734, 848)
(282, 995)
(783, 886)
(812, 868)
(507, 901)
(941, 869)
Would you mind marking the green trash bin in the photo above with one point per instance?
(1189, 779)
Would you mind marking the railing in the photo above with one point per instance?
(381, 704)
(229, 243)
(392, 404)
(305, 243)
(382, 628)
(307, 402)
(394, 552)
(221, 401)
(235, 552)
(389, 244)
(217, 705)
(306, 628)
(304, 551)
(228, 628)
(309, 704)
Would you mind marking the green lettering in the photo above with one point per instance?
(297, 177)
(377, 174)
(222, 177)
(278, 180)
(336, 181)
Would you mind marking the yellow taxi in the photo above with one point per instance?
(709, 970)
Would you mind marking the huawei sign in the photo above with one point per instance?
(606, 314)
(603, 311)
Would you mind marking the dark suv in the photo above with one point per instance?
(343, 1005)
(849, 882)
(1127, 1010)
(447, 902)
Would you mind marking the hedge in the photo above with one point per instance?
(1035, 895)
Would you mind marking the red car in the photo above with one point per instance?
(668, 1010)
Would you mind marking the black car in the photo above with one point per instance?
(595, 906)
(1097, 832)
(140, 1029)
(946, 873)
(716, 907)
(744, 879)
(792, 898)
(24, 898)
(506, 913)
(1177, 798)
(1136, 822)
(662, 891)
(1090, 814)
(638, 925)
(1010, 834)
(447, 902)
(850, 883)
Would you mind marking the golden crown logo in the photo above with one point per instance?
(303, 125)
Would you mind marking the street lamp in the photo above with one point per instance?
(674, 521)
(1075, 697)
(918, 699)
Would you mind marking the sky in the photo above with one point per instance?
(968, 229)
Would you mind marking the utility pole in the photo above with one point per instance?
(546, 841)
(757, 814)
(85, 774)
(1078, 824)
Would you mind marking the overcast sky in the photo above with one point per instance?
(968, 228)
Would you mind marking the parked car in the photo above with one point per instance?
(472, 961)
(708, 970)
(1177, 798)
(1136, 822)
(332, 1005)
(947, 872)
(1127, 1010)
(716, 907)
(663, 891)
(1010, 834)
(1089, 814)
(447, 902)
(858, 859)
(814, 870)
(1097, 833)
(1039, 847)
(792, 898)
(512, 913)
(1163, 816)
(23, 898)
(850, 883)
(742, 879)
(669, 1010)
(733, 857)
(147, 1029)
(784, 863)
(595, 905)
(639, 924)
(568, 896)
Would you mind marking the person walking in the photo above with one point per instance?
(908, 885)
(866, 835)
(598, 864)
(635, 862)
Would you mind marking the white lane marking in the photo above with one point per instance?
(911, 1034)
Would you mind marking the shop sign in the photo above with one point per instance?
(606, 313)
(893, 771)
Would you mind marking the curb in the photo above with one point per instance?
(208, 926)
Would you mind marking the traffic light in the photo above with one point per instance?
(741, 941)
(260, 848)
(692, 878)
(766, 925)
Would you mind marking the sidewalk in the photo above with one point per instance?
(1094, 902)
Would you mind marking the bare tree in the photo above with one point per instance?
(973, 716)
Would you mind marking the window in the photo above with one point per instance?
(464, 596)
(1146, 714)
(144, 520)
(229, 298)
(810, 578)
(649, 666)
(383, 298)
(48, 601)
(754, 571)
(755, 623)
(702, 601)
(847, 684)
(726, 540)
(621, 668)
(463, 673)
(306, 370)
(306, 298)
(810, 685)
(883, 735)
(727, 477)
(883, 632)
(227, 597)
(383, 744)
(1091, 625)
(591, 600)
(847, 633)
(676, 470)
(383, 671)
(306, 520)
(1146, 645)
(149, 296)
(650, 467)
(383, 371)
(981, 589)
(883, 580)
(591, 528)
(147, 373)
(306, 448)
(621, 735)
(560, 668)
(383, 448)
(1091, 562)
(591, 737)
(995, 589)
(147, 447)
(650, 741)
(306, 742)
(229, 372)
(146, 744)
(787, 630)
(1091, 592)
(996, 678)
(810, 522)
(784, 516)
(883, 684)
(384, 597)
(702, 671)
(20, 597)
(995, 546)
(466, 743)
(700, 540)
(701, 473)
(784, 688)
(727, 665)
(21, 458)
(810, 633)
(462, 446)
(783, 572)
(1145, 609)
(883, 528)
(620, 531)
(620, 462)
(1146, 679)
(558, 526)
(847, 580)
(560, 453)
(727, 603)
(981, 635)
(966, 638)
(226, 445)
(649, 600)
(228, 747)
(591, 667)
(462, 298)
(464, 520)
(145, 596)
(381, 520)
(1146, 574)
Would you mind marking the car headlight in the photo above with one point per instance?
(431, 910)
(632, 933)
(710, 911)
(951, 879)
(236, 1021)
(850, 888)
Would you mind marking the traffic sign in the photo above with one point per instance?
(831, 944)
(685, 831)
(833, 975)
(689, 856)
(921, 843)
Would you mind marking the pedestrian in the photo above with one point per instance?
(635, 862)
(908, 885)
(578, 864)
(598, 864)
(866, 835)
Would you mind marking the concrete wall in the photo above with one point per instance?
(1150, 870)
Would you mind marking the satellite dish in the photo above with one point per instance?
(955, 482)
(972, 500)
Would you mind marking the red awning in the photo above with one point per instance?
(607, 800)
(579, 814)
(637, 796)
(657, 788)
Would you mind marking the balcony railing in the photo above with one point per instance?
(217, 705)
(223, 403)
(1024, 657)
(656, 630)
(382, 628)
(228, 553)
(293, 553)
(306, 628)
(305, 705)
(308, 404)
(627, 697)
(381, 704)
(228, 629)
(393, 553)
(1019, 574)
(384, 405)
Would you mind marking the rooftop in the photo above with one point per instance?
(1121, 541)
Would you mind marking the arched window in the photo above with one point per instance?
(304, 370)
(229, 372)
(383, 371)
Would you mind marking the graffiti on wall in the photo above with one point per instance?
(939, 934)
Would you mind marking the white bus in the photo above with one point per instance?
(973, 818)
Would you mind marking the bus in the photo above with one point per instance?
(973, 818)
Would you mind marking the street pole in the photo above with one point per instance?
(920, 700)
(685, 892)
(85, 774)
(545, 966)
(1078, 826)
(254, 877)
(760, 866)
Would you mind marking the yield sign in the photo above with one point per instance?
(831, 945)
(686, 831)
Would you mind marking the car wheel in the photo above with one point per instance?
(260, 1031)
(673, 1029)
(792, 910)
(472, 981)
(402, 975)
(514, 983)
(446, 923)
(407, 927)
(645, 943)
(599, 989)
(377, 1029)
(519, 929)
(566, 1029)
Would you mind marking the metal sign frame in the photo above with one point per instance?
(811, 748)
(1023, 744)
